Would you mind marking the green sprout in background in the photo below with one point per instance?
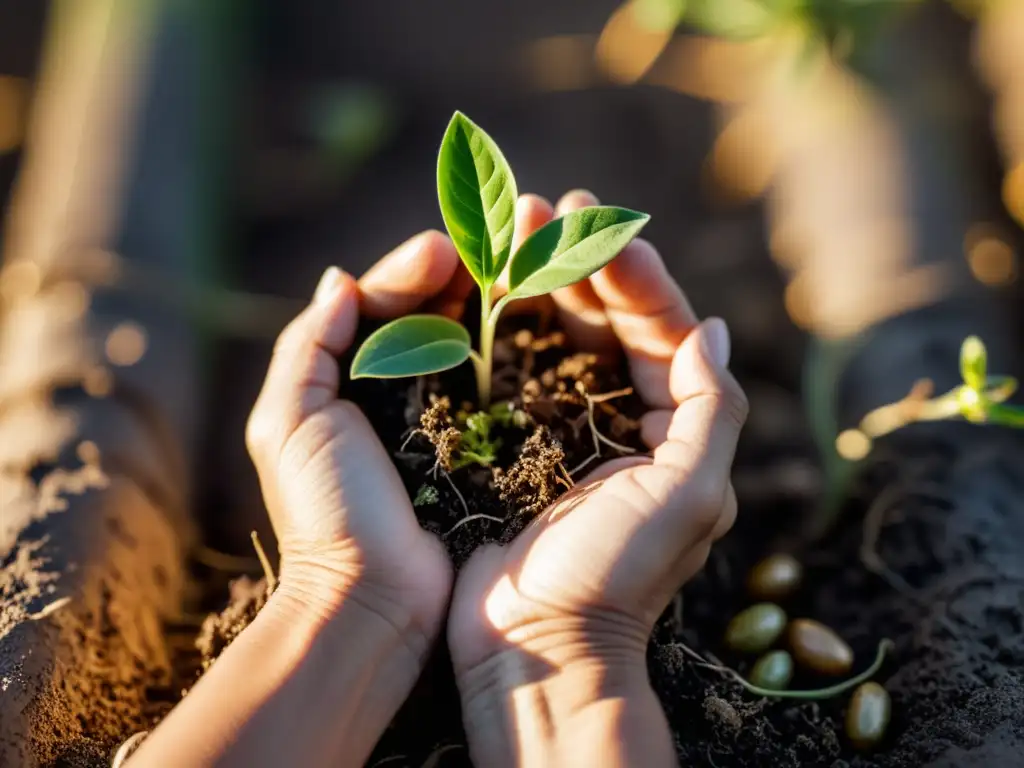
(979, 400)
(838, 26)
(477, 192)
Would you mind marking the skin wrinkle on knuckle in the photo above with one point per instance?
(293, 453)
(727, 404)
(637, 336)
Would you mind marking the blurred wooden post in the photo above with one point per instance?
(99, 387)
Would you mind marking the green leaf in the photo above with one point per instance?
(412, 346)
(973, 362)
(477, 192)
(566, 250)
(740, 19)
(659, 15)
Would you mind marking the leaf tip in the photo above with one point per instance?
(640, 216)
(355, 371)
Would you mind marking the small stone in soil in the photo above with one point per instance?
(818, 648)
(868, 715)
(755, 629)
(773, 671)
(720, 711)
(775, 577)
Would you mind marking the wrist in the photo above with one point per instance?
(309, 682)
(557, 702)
(320, 590)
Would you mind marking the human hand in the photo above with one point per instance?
(550, 632)
(345, 525)
(322, 669)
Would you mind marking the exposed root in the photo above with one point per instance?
(884, 646)
(585, 463)
(433, 760)
(451, 482)
(566, 478)
(478, 516)
(592, 400)
(268, 571)
(389, 759)
(604, 397)
(222, 561)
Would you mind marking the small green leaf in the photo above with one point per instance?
(973, 362)
(426, 495)
(740, 19)
(659, 15)
(412, 346)
(566, 250)
(477, 192)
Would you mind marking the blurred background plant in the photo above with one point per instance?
(861, 149)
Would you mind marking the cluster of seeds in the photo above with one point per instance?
(811, 645)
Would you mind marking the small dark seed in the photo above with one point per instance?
(868, 715)
(818, 648)
(755, 629)
(773, 671)
(774, 578)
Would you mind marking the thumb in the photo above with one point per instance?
(303, 376)
(691, 469)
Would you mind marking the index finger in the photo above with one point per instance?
(419, 269)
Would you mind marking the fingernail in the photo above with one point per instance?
(328, 286)
(715, 338)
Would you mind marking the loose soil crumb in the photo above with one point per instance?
(219, 630)
(436, 425)
(535, 480)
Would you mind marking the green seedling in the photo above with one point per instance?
(838, 26)
(477, 445)
(425, 496)
(981, 399)
(477, 193)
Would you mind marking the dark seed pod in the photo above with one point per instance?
(868, 715)
(773, 671)
(818, 648)
(755, 629)
(774, 578)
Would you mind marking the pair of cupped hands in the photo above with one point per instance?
(547, 634)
